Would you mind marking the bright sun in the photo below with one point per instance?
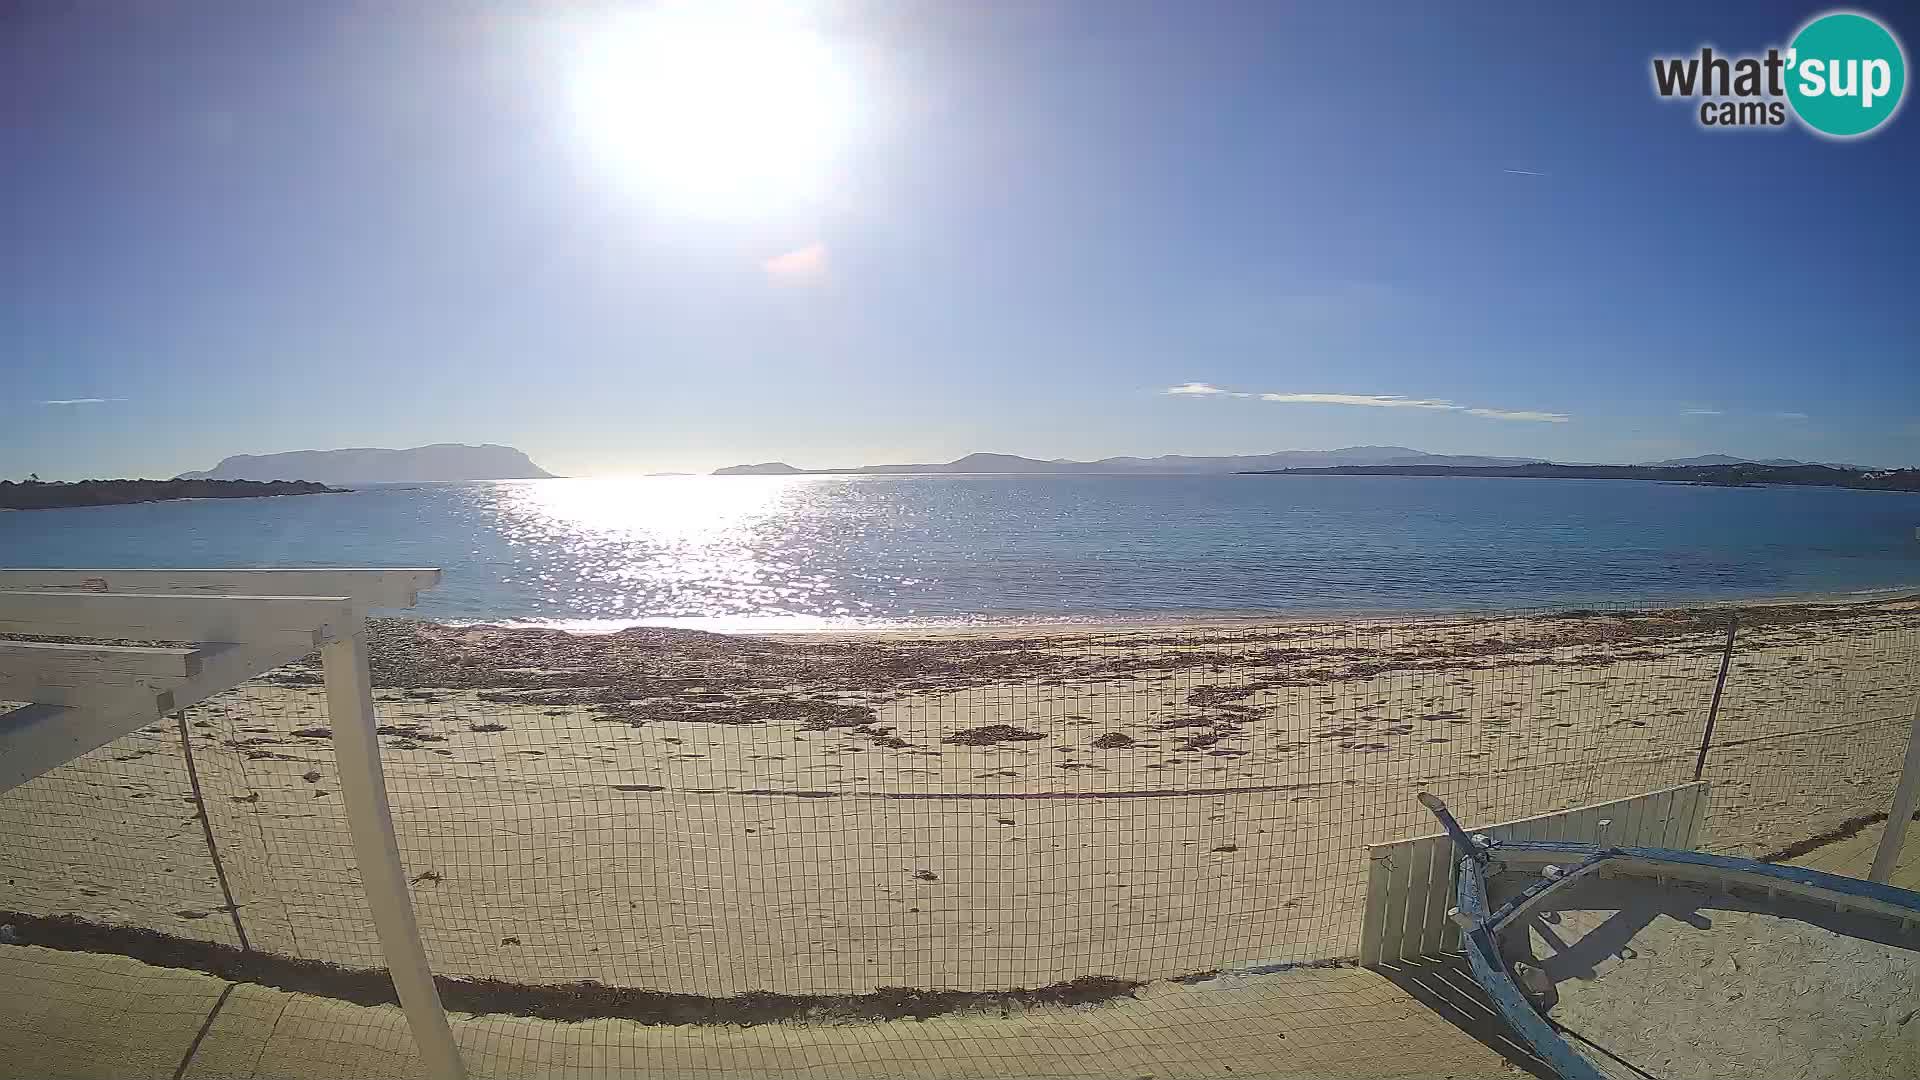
(715, 108)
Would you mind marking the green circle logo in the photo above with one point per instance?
(1845, 74)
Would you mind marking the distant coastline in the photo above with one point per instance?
(1407, 460)
(38, 495)
(1740, 475)
(1169, 464)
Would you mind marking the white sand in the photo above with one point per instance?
(776, 858)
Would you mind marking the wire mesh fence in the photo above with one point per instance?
(673, 827)
(1809, 741)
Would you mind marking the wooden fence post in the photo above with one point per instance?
(363, 784)
(1904, 798)
(1719, 684)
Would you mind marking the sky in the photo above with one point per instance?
(629, 240)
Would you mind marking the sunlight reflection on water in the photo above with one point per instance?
(823, 552)
(685, 551)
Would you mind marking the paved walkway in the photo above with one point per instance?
(72, 1015)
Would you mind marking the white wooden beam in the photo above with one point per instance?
(64, 662)
(384, 588)
(113, 677)
(1905, 795)
(283, 620)
(45, 735)
(112, 697)
(363, 786)
(35, 738)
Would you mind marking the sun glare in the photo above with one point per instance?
(715, 108)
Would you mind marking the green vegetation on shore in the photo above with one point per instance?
(1741, 475)
(41, 495)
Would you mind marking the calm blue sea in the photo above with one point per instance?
(778, 552)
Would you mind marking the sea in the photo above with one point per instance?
(753, 553)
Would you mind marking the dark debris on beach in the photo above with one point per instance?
(834, 682)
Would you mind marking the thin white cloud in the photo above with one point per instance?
(1397, 401)
(82, 400)
(1378, 401)
(1524, 172)
(800, 266)
(1764, 415)
(1373, 401)
(1534, 415)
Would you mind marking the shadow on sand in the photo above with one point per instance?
(1445, 985)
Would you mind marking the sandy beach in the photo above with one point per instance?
(979, 811)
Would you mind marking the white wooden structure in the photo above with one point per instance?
(1905, 797)
(221, 627)
(1410, 883)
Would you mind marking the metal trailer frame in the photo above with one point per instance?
(1561, 864)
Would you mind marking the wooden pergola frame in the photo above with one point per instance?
(221, 627)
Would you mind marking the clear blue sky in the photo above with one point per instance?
(255, 228)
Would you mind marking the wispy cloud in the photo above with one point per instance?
(799, 266)
(1380, 401)
(1375, 401)
(1524, 172)
(1762, 415)
(82, 400)
(1534, 415)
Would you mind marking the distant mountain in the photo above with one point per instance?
(1703, 459)
(1170, 463)
(1723, 459)
(1739, 474)
(419, 464)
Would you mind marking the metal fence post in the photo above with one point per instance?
(1719, 684)
(206, 830)
(364, 787)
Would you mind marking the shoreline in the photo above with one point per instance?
(115, 493)
(795, 626)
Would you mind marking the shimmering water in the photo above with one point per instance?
(748, 552)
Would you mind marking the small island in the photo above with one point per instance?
(51, 495)
(438, 463)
